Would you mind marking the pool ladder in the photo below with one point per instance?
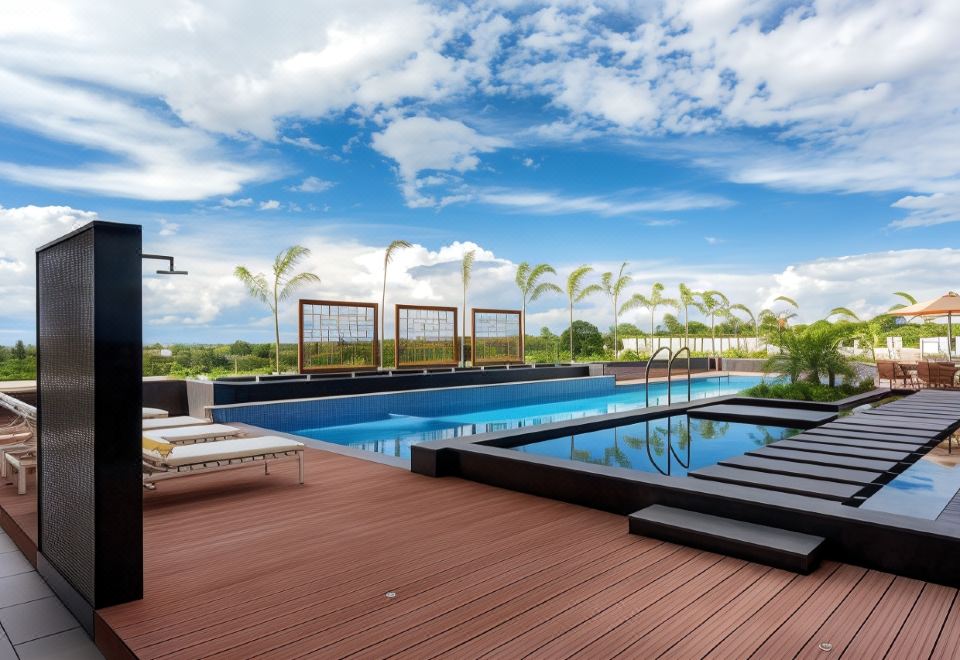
(671, 357)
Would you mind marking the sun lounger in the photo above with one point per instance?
(162, 460)
(154, 413)
(171, 422)
(19, 453)
(184, 435)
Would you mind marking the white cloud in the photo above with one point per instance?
(419, 144)
(313, 184)
(622, 204)
(269, 205)
(713, 240)
(228, 203)
(168, 228)
(303, 142)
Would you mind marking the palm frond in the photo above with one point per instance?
(906, 296)
(295, 282)
(575, 279)
(466, 266)
(256, 285)
(789, 301)
(843, 311)
(522, 278)
(588, 291)
(743, 308)
(542, 288)
(394, 246)
(288, 259)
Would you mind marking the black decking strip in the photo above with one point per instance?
(891, 429)
(869, 464)
(830, 490)
(857, 442)
(903, 423)
(841, 450)
(793, 417)
(873, 437)
(807, 470)
(839, 459)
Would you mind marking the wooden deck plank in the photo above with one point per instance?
(794, 634)
(240, 563)
(846, 620)
(743, 640)
(922, 628)
(878, 633)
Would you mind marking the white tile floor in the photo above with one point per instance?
(34, 625)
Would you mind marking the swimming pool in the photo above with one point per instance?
(671, 446)
(923, 490)
(391, 423)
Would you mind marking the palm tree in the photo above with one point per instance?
(466, 268)
(531, 288)
(688, 299)
(784, 316)
(714, 304)
(387, 258)
(576, 292)
(613, 288)
(813, 352)
(753, 320)
(283, 285)
(845, 312)
(655, 300)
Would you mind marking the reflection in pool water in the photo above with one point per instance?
(923, 490)
(671, 446)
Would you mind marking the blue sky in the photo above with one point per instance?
(764, 148)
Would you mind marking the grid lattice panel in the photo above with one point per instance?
(497, 337)
(66, 400)
(426, 336)
(339, 336)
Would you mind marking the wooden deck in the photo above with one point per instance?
(239, 564)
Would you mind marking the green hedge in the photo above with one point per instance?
(804, 391)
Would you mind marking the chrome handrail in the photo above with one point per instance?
(646, 373)
(670, 370)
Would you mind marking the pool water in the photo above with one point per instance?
(394, 434)
(921, 491)
(671, 446)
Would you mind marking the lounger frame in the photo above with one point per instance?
(154, 472)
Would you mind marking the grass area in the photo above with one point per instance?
(805, 391)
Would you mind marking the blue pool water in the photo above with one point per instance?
(921, 491)
(391, 423)
(671, 446)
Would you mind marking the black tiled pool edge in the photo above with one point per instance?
(907, 546)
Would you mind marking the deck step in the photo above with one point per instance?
(772, 546)
(792, 417)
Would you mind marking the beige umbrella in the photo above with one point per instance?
(946, 305)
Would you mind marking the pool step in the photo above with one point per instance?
(772, 546)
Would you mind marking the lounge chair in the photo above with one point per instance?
(21, 457)
(891, 371)
(184, 435)
(171, 422)
(163, 460)
(945, 374)
(154, 413)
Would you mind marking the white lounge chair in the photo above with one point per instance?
(172, 422)
(154, 413)
(184, 435)
(19, 452)
(163, 460)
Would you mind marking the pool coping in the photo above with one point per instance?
(905, 545)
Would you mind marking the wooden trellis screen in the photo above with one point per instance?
(337, 336)
(497, 336)
(426, 336)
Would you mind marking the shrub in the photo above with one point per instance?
(803, 390)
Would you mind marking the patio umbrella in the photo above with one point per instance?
(946, 305)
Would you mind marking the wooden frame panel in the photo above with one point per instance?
(373, 343)
(451, 360)
(514, 358)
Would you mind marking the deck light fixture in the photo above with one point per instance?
(160, 257)
(825, 646)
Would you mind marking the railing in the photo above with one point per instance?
(670, 370)
(646, 373)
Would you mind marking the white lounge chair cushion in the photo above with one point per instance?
(153, 413)
(225, 450)
(188, 433)
(172, 422)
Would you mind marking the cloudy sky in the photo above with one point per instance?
(762, 147)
